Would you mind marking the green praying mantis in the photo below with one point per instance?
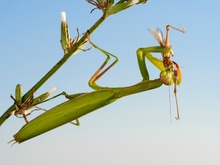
(81, 104)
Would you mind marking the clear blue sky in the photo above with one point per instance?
(135, 129)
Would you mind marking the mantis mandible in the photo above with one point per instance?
(84, 103)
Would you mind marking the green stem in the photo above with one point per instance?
(54, 69)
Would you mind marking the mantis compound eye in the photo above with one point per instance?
(167, 77)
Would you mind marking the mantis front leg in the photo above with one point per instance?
(143, 53)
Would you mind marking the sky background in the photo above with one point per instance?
(135, 129)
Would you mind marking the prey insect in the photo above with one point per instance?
(170, 73)
(84, 103)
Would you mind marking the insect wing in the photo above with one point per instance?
(158, 35)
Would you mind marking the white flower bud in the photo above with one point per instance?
(63, 16)
(52, 90)
(134, 2)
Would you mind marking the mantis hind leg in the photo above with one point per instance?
(100, 72)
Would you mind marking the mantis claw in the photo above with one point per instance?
(12, 141)
(177, 118)
(77, 122)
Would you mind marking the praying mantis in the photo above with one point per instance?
(81, 104)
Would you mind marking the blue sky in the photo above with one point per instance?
(135, 129)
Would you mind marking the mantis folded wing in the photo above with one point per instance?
(86, 103)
